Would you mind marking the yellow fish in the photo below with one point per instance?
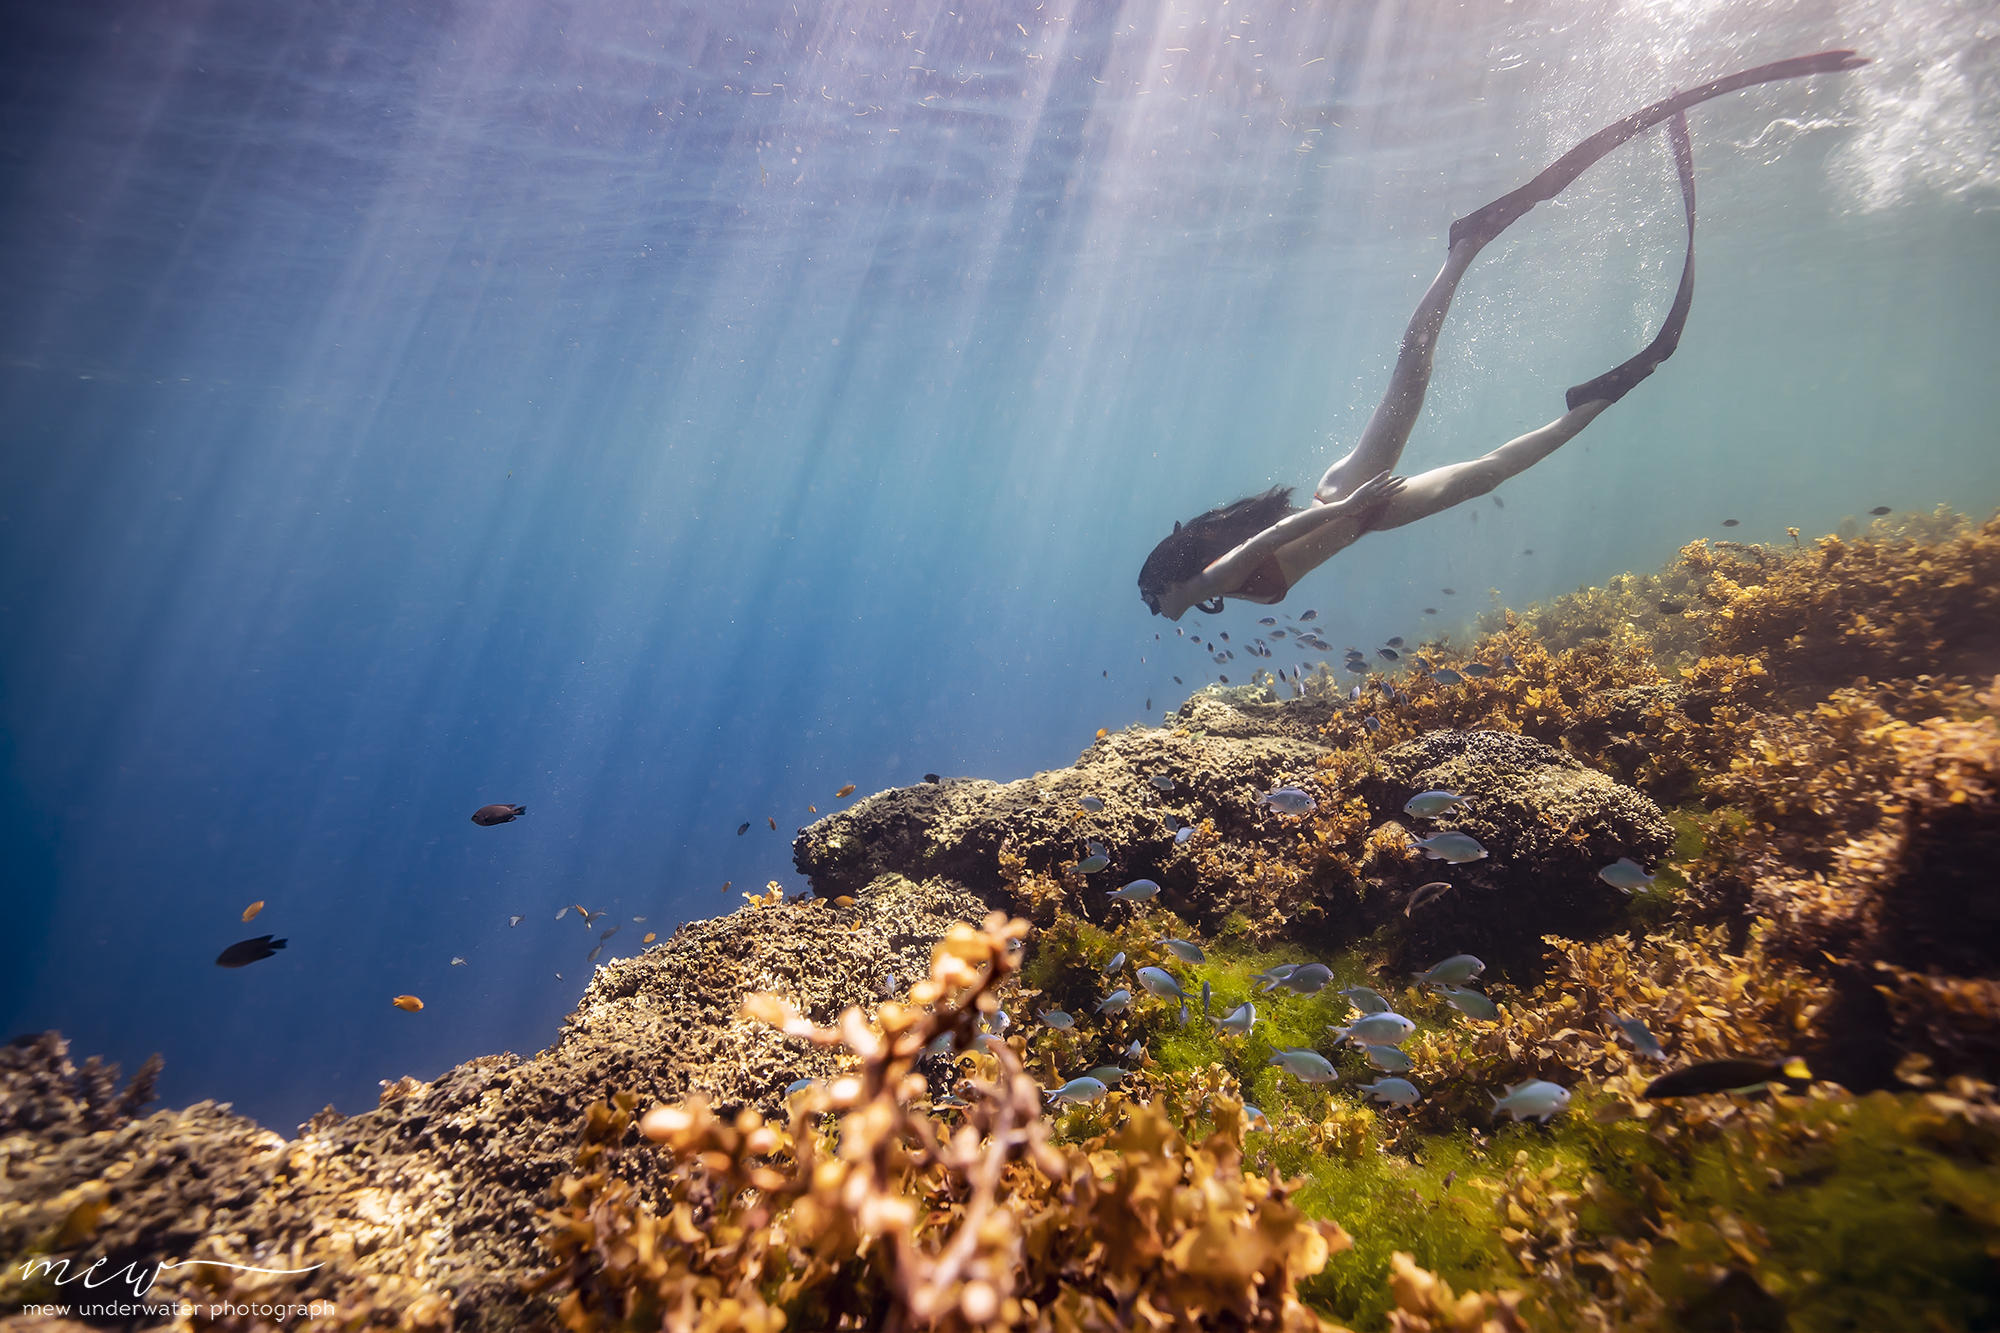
(846, 791)
(650, 937)
(250, 912)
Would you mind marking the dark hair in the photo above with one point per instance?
(1198, 543)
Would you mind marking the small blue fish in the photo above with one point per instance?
(1456, 848)
(1238, 1022)
(1308, 615)
(942, 1044)
(1354, 695)
(1642, 1041)
(1162, 781)
(1117, 961)
(1207, 997)
(1396, 642)
(1358, 668)
(999, 1022)
(1254, 1119)
(797, 1086)
(1446, 676)
(950, 1103)
(1431, 804)
(1535, 1098)
(1115, 1003)
(1365, 1000)
(1184, 1013)
(1386, 1057)
(1471, 1003)
(1138, 891)
(1058, 1020)
(1185, 833)
(1388, 654)
(1399, 1091)
(1161, 983)
(1095, 848)
(1110, 1075)
(1091, 803)
(1289, 801)
(1270, 977)
(1135, 1051)
(1383, 1029)
(1453, 971)
(1371, 723)
(1267, 620)
(1478, 670)
(1076, 1091)
(1186, 952)
(989, 1043)
(1507, 663)
(1307, 980)
(1090, 865)
(1625, 875)
(1306, 1066)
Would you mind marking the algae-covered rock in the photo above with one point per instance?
(1217, 760)
(1548, 825)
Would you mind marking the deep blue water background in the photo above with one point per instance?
(663, 415)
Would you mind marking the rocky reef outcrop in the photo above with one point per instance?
(1803, 740)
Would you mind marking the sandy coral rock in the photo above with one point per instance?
(1220, 756)
(1548, 825)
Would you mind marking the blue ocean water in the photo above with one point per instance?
(663, 415)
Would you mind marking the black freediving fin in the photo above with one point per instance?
(1496, 217)
(1616, 383)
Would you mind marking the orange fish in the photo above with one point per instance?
(250, 912)
(773, 821)
(1102, 733)
(408, 1002)
(725, 886)
(812, 809)
(844, 792)
(650, 937)
(843, 901)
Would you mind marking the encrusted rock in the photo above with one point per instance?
(1548, 825)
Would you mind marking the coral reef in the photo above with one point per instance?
(1800, 740)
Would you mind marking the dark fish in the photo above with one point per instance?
(1309, 615)
(1105, 674)
(1428, 893)
(1225, 636)
(1396, 642)
(1149, 705)
(1732, 523)
(932, 778)
(1177, 680)
(772, 820)
(1267, 620)
(1277, 634)
(1880, 510)
(488, 815)
(1498, 503)
(1432, 610)
(1724, 1076)
(1527, 550)
(1225, 680)
(1449, 592)
(725, 885)
(1372, 723)
(1388, 654)
(1672, 608)
(743, 828)
(246, 952)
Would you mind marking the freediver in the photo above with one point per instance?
(1257, 548)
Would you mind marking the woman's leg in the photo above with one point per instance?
(1382, 441)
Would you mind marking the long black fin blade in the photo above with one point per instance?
(1615, 384)
(1495, 217)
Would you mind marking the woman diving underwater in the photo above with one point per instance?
(1257, 548)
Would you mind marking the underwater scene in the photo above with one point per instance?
(1032, 664)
